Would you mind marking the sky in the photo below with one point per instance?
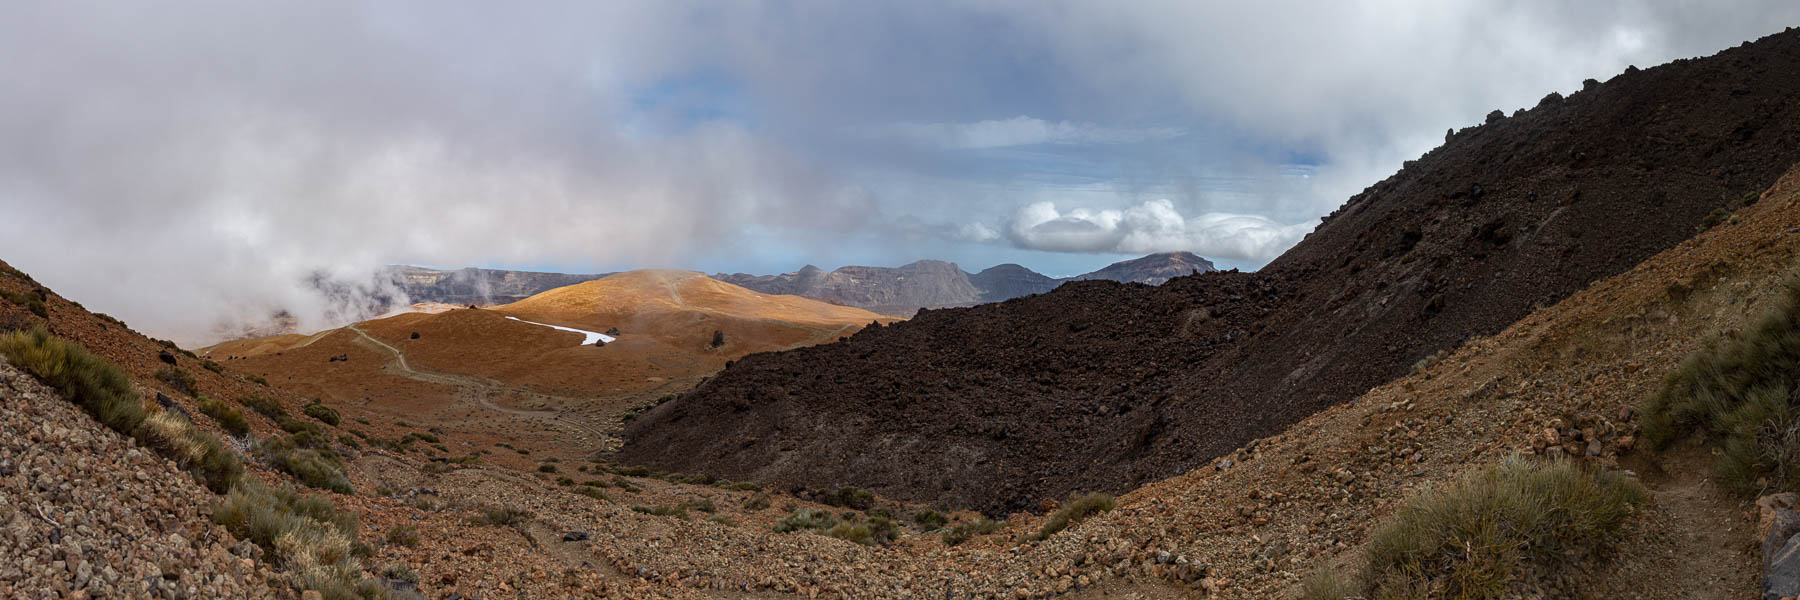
(186, 164)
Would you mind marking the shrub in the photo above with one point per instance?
(228, 416)
(306, 534)
(704, 505)
(931, 519)
(592, 493)
(29, 301)
(806, 519)
(314, 467)
(323, 413)
(257, 379)
(296, 426)
(1325, 584)
(266, 406)
(1473, 537)
(874, 532)
(179, 379)
(741, 486)
(400, 572)
(1073, 511)
(757, 502)
(723, 520)
(546, 468)
(850, 497)
(80, 376)
(423, 437)
(212, 366)
(349, 441)
(621, 483)
(635, 471)
(404, 535)
(963, 531)
(678, 510)
(1739, 390)
(501, 517)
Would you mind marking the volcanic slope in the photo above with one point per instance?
(1100, 385)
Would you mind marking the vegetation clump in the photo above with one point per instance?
(323, 413)
(962, 532)
(677, 510)
(873, 532)
(29, 301)
(931, 519)
(266, 406)
(305, 534)
(228, 416)
(1073, 511)
(1740, 391)
(1480, 534)
(301, 456)
(501, 517)
(806, 519)
(404, 535)
(179, 379)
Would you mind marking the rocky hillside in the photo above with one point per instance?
(1100, 385)
(903, 290)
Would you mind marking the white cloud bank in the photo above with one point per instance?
(1154, 226)
(1017, 131)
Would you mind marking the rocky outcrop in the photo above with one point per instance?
(477, 286)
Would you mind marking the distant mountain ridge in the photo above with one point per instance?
(905, 289)
(471, 285)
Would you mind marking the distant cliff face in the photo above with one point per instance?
(903, 290)
(478, 286)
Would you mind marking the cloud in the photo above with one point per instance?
(1017, 131)
(1153, 226)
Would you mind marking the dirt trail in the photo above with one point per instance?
(1701, 520)
(480, 391)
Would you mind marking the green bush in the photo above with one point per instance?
(931, 519)
(1073, 511)
(592, 493)
(228, 416)
(197, 451)
(314, 467)
(266, 406)
(257, 379)
(741, 486)
(759, 501)
(850, 497)
(546, 468)
(305, 534)
(212, 366)
(962, 532)
(80, 376)
(323, 413)
(874, 532)
(678, 510)
(1739, 391)
(806, 519)
(404, 535)
(400, 572)
(1476, 536)
(1325, 584)
(501, 517)
(179, 379)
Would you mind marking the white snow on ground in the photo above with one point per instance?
(591, 336)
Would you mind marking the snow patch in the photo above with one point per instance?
(591, 336)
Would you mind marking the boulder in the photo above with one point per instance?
(614, 332)
(166, 356)
(718, 338)
(415, 335)
(574, 536)
(1781, 575)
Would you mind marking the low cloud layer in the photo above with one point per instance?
(1017, 131)
(1154, 226)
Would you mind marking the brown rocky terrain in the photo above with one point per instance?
(1100, 385)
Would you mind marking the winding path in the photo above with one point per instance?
(479, 389)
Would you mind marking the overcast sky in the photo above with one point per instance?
(178, 164)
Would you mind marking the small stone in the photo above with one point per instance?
(574, 536)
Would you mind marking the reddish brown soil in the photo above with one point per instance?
(1100, 385)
